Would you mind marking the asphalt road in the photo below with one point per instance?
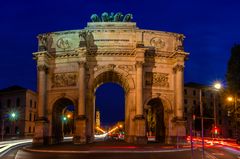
(213, 152)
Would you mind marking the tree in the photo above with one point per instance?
(233, 70)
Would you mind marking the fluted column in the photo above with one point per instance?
(81, 99)
(139, 88)
(42, 79)
(179, 69)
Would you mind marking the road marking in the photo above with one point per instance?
(218, 154)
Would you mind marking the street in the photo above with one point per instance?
(121, 150)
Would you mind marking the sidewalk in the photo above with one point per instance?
(107, 147)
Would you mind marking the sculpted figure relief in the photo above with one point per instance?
(157, 79)
(64, 79)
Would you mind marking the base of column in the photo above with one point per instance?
(129, 139)
(41, 132)
(140, 130)
(179, 131)
(140, 140)
(80, 136)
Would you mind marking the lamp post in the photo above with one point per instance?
(217, 86)
(202, 124)
(13, 117)
(234, 111)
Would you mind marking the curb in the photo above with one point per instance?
(104, 151)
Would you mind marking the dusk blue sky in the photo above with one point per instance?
(211, 28)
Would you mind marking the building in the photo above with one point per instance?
(212, 101)
(147, 64)
(18, 108)
(98, 118)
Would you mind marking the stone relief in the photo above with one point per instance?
(156, 79)
(63, 43)
(100, 67)
(179, 43)
(157, 42)
(45, 42)
(126, 68)
(64, 79)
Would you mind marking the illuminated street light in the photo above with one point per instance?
(68, 116)
(64, 118)
(230, 98)
(217, 85)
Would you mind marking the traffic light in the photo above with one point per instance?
(216, 130)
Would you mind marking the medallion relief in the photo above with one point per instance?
(156, 79)
(64, 79)
(63, 43)
(157, 42)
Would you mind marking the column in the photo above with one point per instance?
(80, 136)
(139, 88)
(178, 69)
(42, 79)
(81, 99)
(140, 132)
(180, 123)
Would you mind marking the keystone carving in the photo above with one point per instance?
(126, 68)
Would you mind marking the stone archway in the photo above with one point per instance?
(155, 125)
(119, 78)
(60, 120)
(144, 62)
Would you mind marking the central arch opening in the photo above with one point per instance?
(110, 91)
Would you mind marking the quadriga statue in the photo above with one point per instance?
(105, 17)
(128, 17)
(95, 18)
(117, 17)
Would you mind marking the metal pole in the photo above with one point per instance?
(214, 109)
(191, 137)
(235, 113)
(202, 125)
(3, 128)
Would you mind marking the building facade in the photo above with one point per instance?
(148, 64)
(212, 101)
(18, 112)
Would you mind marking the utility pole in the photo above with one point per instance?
(202, 124)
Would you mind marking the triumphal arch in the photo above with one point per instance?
(148, 64)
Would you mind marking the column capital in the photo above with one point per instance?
(82, 63)
(139, 64)
(42, 67)
(178, 67)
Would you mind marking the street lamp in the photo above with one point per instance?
(234, 111)
(217, 86)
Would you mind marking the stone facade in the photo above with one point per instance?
(23, 102)
(146, 63)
